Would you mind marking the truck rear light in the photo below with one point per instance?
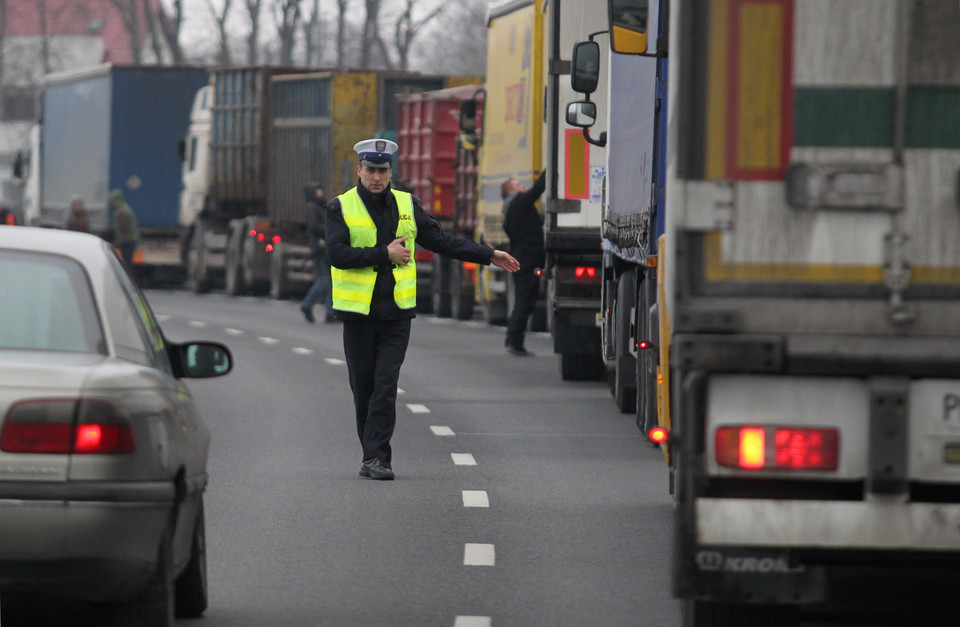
(578, 274)
(777, 448)
(659, 435)
(58, 426)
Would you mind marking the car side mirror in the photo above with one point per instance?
(200, 360)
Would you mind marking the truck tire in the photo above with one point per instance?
(279, 286)
(461, 293)
(494, 312)
(712, 614)
(198, 279)
(234, 283)
(440, 293)
(581, 367)
(625, 371)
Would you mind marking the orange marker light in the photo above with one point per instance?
(658, 435)
(752, 448)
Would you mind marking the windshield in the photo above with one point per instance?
(46, 304)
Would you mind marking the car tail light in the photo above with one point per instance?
(777, 448)
(63, 426)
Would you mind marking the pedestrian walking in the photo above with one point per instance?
(316, 219)
(372, 233)
(126, 231)
(523, 224)
(77, 216)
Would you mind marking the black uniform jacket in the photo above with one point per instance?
(523, 224)
(383, 209)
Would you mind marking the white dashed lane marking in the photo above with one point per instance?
(199, 324)
(472, 621)
(463, 459)
(302, 351)
(270, 341)
(233, 331)
(442, 431)
(475, 498)
(418, 409)
(334, 362)
(475, 554)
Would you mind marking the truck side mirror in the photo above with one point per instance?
(582, 113)
(585, 67)
(629, 25)
(468, 115)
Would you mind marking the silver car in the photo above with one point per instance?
(103, 455)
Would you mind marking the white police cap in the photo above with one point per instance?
(376, 153)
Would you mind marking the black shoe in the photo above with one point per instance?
(519, 352)
(308, 313)
(376, 468)
(330, 318)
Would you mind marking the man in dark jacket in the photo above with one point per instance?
(316, 219)
(372, 233)
(523, 224)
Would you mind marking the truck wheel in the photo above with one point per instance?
(494, 312)
(461, 293)
(279, 287)
(233, 273)
(197, 279)
(581, 367)
(711, 614)
(625, 373)
(441, 286)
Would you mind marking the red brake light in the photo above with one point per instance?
(48, 426)
(252, 233)
(276, 239)
(578, 274)
(777, 448)
(261, 237)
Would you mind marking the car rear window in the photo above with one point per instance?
(46, 304)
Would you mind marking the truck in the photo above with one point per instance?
(807, 340)
(522, 135)
(116, 127)
(257, 136)
(440, 168)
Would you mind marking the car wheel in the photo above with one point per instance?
(154, 606)
(191, 585)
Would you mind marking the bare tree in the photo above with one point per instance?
(341, 30)
(253, 38)
(287, 17)
(464, 33)
(153, 29)
(223, 51)
(312, 36)
(371, 37)
(129, 11)
(407, 28)
(170, 29)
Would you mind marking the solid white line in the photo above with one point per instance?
(198, 324)
(334, 362)
(463, 459)
(302, 351)
(442, 431)
(478, 554)
(418, 408)
(233, 331)
(472, 621)
(267, 340)
(475, 498)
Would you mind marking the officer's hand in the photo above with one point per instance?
(505, 260)
(398, 252)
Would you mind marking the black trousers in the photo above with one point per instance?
(526, 284)
(375, 350)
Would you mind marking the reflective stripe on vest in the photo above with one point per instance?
(353, 288)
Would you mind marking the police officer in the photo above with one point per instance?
(372, 233)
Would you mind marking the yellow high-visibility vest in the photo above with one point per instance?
(353, 288)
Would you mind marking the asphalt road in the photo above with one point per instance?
(520, 499)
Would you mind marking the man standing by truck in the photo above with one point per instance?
(523, 224)
(315, 217)
(372, 231)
